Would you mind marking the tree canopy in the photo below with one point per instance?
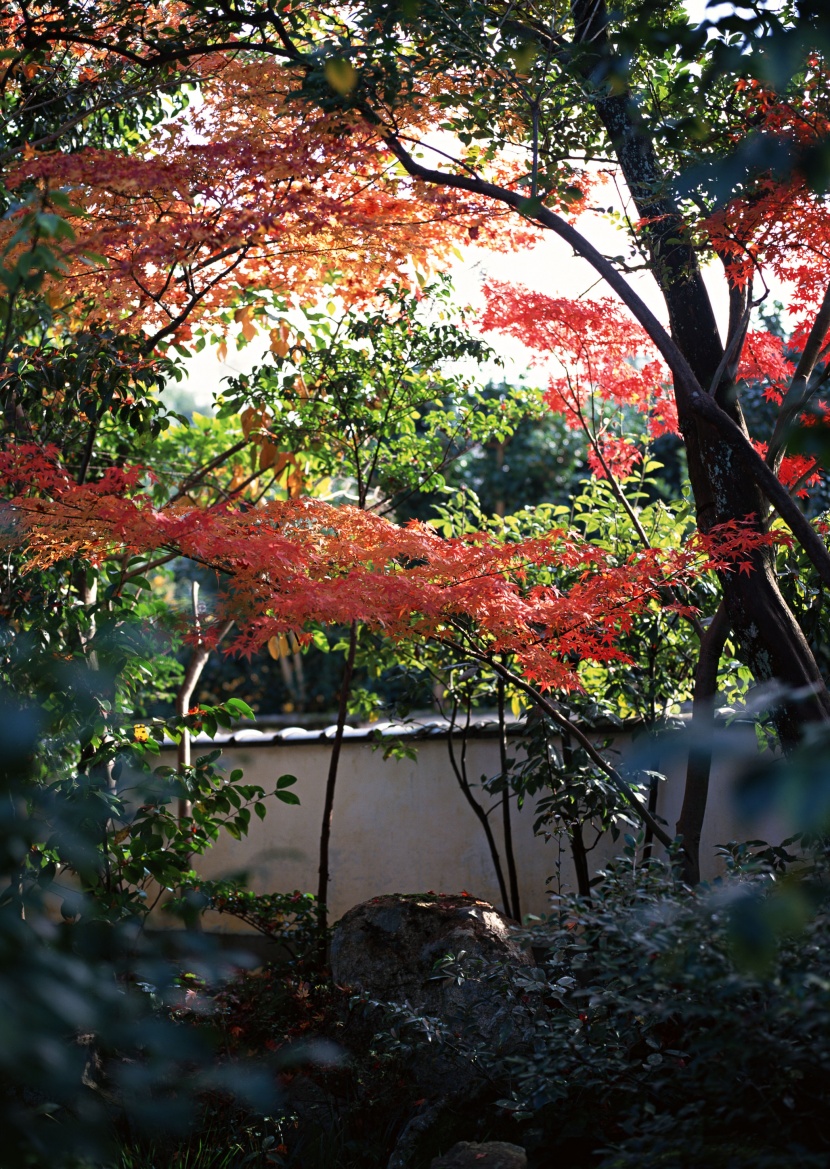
(185, 174)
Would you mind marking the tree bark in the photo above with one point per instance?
(507, 826)
(331, 784)
(460, 770)
(699, 766)
(769, 637)
(193, 672)
(580, 859)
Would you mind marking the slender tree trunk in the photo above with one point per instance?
(580, 859)
(515, 903)
(648, 835)
(331, 784)
(193, 672)
(460, 771)
(579, 853)
(299, 675)
(696, 792)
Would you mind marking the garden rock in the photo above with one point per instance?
(489, 1155)
(391, 948)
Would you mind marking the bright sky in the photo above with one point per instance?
(550, 267)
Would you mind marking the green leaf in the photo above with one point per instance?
(240, 708)
(320, 641)
(286, 781)
(530, 207)
(341, 75)
(287, 797)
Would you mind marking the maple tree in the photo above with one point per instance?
(302, 158)
(547, 602)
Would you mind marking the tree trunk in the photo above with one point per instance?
(768, 635)
(580, 859)
(195, 667)
(513, 877)
(459, 767)
(331, 784)
(696, 792)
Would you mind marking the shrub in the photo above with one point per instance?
(684, 1027)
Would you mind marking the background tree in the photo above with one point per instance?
(366, 408)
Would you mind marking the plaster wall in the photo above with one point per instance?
(405, 826)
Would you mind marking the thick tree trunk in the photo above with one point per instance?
(768, 635)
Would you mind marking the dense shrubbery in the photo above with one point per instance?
(685, 1027)
(674, 1027)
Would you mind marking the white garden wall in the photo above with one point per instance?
(404, 826)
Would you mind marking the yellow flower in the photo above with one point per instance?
(141, 733)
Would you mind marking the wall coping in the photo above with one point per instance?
(481, 727)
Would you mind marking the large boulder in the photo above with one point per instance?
(490, 1155)
(390, 946)
(393, 950)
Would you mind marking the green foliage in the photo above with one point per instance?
(576, 794)
(669, 1027)
(50, 96)
(287, 919)
(378, 404)
(661, 645)
(89, 1033)
(542, 461)
(684, 1028)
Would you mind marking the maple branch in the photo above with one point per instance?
(151, 342)
(559, 226)
(632, 515)
(143, 568)
(740, 304)
(442, 153)
(158, 58)
(285, 37)
(199, 475)
(799, 392)
(689, 391)
(733, 345)
(572, 729)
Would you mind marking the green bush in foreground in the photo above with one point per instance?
(684, 1027)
